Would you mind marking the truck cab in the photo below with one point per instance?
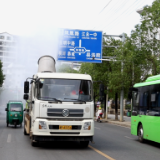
(61, 108)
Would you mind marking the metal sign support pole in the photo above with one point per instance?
(122, 90)
(106, 106)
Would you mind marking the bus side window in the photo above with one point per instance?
(135, 96)
(158, 100)
(155, 104)
(145, 102)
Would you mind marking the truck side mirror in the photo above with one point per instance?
(40, 84)
(25, 96)
(26, 87)
(6, 109)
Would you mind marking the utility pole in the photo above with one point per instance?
(122, 89)
(122, 36)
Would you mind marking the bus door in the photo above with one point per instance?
(134, 120)
(142, 113)
(154, 114)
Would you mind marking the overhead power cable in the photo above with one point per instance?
(114, 10)
(133, 6)
(115, 24)
(101, 10)
(105, 7)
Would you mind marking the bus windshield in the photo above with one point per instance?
(64, 90)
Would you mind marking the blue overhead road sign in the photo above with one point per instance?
(80, 46)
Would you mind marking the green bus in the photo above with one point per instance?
(145, 116)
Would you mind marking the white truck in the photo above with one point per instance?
(61, 106)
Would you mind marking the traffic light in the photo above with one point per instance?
(101, 90)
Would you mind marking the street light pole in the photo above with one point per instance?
(122, 89)
(122, 36)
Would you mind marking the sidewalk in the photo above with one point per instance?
(111, 120)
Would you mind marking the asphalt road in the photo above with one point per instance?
(111, 142)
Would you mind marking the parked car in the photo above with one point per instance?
(14, 115)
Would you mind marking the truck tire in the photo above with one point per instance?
(33, 144)
(25, 133)
(7, 124)
(84, 144)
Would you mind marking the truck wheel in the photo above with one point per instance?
(21, 125)
(84, 144)
(7, 123)
(140, 134)
(15, 125)
(25, 133)
(33, 144)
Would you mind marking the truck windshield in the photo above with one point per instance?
(64, 90)
(16, 107)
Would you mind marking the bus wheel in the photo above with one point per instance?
(140, 134)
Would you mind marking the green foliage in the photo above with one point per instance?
(128, 106)
(2, 76)
(139, 55)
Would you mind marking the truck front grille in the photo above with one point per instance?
(58, 112)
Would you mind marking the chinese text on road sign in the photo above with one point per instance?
(80, 46)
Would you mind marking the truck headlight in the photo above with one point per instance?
(87, 126)
(42, 125)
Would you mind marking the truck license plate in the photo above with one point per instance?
(65, 127)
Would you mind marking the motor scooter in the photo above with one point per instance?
(99, 119)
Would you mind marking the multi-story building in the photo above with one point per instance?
(7, 51)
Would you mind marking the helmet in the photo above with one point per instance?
(100, 108)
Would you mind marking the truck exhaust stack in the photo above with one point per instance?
(46, 64)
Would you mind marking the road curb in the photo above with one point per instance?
(124, 124)
(111, 121)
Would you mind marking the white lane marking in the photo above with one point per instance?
(128, 137)
(97, 128)
(9, 138)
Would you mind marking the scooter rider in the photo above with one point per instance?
(99, 112)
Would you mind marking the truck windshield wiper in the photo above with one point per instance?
(76, 99)
(51, 98)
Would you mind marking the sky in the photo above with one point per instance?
(37, 23)
(31, 17)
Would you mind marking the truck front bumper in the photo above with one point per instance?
(54, 133)
(62, 138)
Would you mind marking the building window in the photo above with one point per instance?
(1, 48)
(1, 42)
(1, 37)
(1, 53)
